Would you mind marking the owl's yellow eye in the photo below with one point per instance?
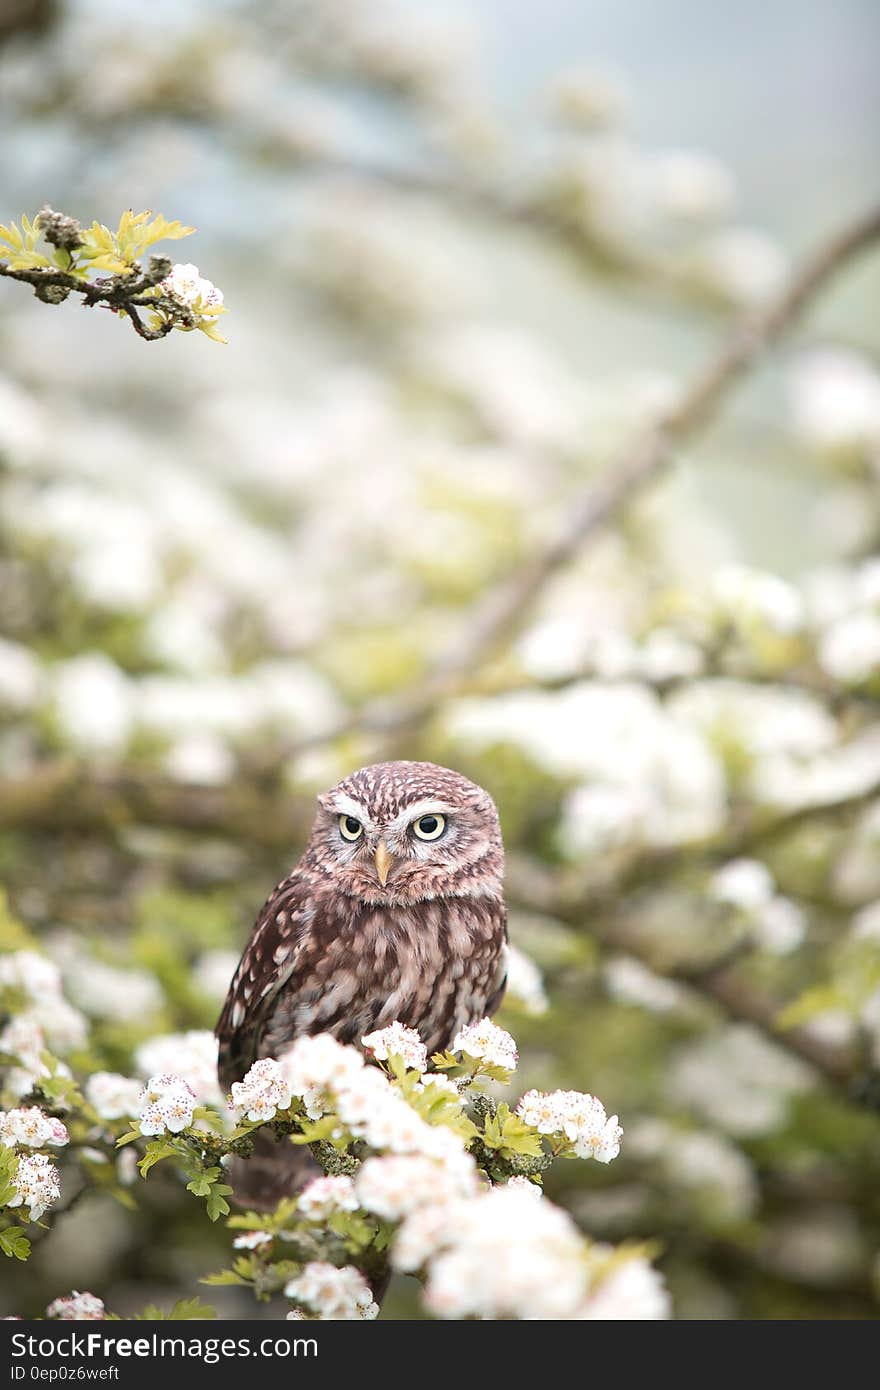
(349, 828)
(429, 827)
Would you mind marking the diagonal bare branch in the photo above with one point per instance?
(506, 608)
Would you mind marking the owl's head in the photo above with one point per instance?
(406, 832)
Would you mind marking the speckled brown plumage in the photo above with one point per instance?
(336, 950)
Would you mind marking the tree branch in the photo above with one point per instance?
(122, 294)
(506, 608)
(533, 888)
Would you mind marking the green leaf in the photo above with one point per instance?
(14, 1243)
(509, 1135)
(817, 1000)
(201, 1185)
(445, 1061)
(217, 1204)
(223, 1278)
(317, 1129)
(185, 1310)
(156, 1152)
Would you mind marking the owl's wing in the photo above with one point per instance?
(282, 942)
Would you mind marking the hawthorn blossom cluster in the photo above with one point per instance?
(747, 886)
(82, 1307)
(191, 1055)
(484, 1251)
(189, 288)
(397, 1041)
(37, 1185)
(486, 1042)
(322, 1197)
(339, 1294)
(166, 1104)
(252, 1240)
(482, 1247)
(46, 1023)
(575, 1117)
(328, 1077)
(113, 1096)
(31, 1128)
(262, 1093)
(506, 1255)
(399, 1184)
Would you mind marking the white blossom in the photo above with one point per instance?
(36, 975)
(31, 1128)
(112, 1095)
(320, 1064)
(690, 186)
(107, 991)
(505, 1255)
(631, 982)
(192, 1055)
(743, 265)
(20, 677)
(835, 400)
(341, 1295)
(213, 973)
(23, 1039)
(753, 596)
(486, 1042)
(253, 1240)
(525, 982)
(780, 926)
(849, 650)
(63, 1026)
(395, 1186)
(166, 1104)
(632, 1290)
(203, 759)
(576, 1116)
(436, 1082)
(420, 1235)
(742, 883)
(667, 780)
(127, 1167)
(866, 923)
(82, 1307)
(699, 1160)
(37, 1185)
(588, 98)
(526, 1186)
(399, 1041)
(191, 289)
(737, 1081)
(93, 703)
(263, 1092)
(322, 1197)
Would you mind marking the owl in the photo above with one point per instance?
(395, 911)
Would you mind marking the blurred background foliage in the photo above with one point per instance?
(468, 250)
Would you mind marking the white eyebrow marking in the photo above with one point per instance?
(429, 806)
(345, 805)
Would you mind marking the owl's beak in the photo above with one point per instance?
(384, 861)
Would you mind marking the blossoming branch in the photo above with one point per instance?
(420, 1167)
(171, 296)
